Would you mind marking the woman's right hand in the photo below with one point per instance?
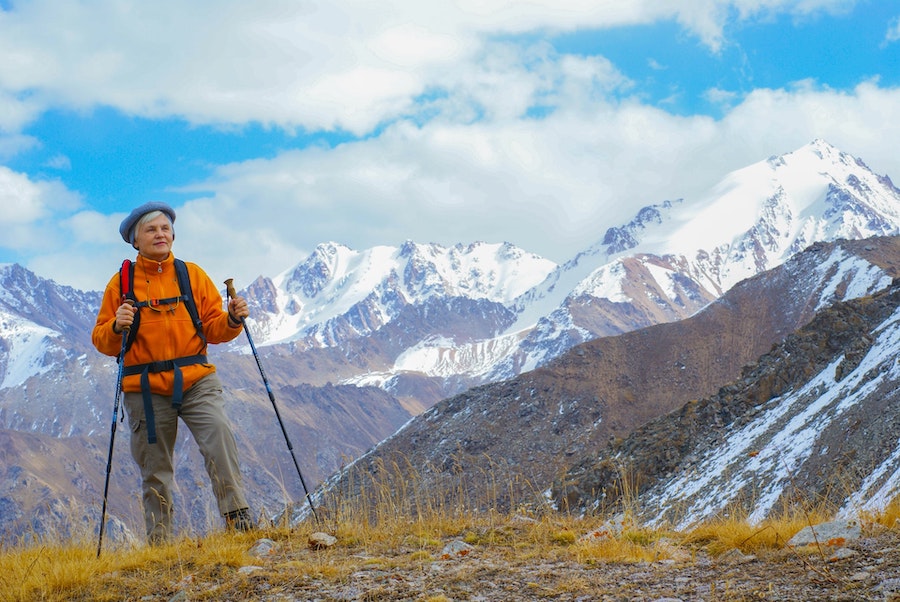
(124, 317)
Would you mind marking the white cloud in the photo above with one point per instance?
(723, 98)
(342, 64)
(800, 8)
(862, 122)
(59, 162)
(893, 32)
(339, 64)
(409, 45)
(12, 145)
(17, 110)
(29, 217)
(83, 250)
(25, 200)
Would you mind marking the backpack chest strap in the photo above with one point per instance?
(155, 302)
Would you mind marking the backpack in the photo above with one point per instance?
(126, 285)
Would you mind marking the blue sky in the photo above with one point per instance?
(274, 126)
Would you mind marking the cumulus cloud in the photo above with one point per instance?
(21, 198)
(25, 200)
(337, 65)
(723, 98)
(30, 209)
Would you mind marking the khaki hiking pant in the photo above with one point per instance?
(202, 410)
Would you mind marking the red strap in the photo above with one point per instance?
(125, 278)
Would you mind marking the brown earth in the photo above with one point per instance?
(866, 569)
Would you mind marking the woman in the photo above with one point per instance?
(166, 373)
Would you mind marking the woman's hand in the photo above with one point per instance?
(238, 309)
(124, 317)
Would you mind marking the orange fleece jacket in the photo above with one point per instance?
(164, 335)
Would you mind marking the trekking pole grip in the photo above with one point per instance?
(229, 288)
(230, 292)
(126, 330)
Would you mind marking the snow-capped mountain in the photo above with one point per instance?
(670, 261)
(44, 336)
(480, 312)
(338, 294)
(27, 346)
(675, 257)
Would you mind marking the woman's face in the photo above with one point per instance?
(154, 238)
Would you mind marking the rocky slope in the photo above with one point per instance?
(527, 431)
(814, 421)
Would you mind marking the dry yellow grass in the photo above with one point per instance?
(395, 528)
(888, 517)
(733, 531)
(71, 570)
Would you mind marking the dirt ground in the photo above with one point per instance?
(866, 569)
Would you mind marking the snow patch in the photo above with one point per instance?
(28, 346)
(765, 452)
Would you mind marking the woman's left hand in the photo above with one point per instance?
(238, 308)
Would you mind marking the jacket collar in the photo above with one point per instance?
(151, 265)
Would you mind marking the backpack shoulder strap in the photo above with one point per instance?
(126, 280)
(187, 293)
(126, 287)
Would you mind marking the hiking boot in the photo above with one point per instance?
(239, 520)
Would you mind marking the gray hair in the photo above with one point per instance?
(148, 217)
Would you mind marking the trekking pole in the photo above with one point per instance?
(112, 437)
(230, 293)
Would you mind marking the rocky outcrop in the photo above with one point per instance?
(800, 379)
